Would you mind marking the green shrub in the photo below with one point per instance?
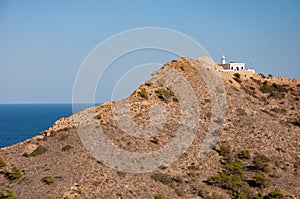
(163, 178)
(63, 137)
(39, 151)
(143, 93)
(261, 163)
(165, 93)
(15, 173)
(232, 182)
(9, 194)
(274, 175)
(235, 167)
(199, 191)
(244, 154)
(265, 88)
(79, 190)
(48, 180)
(2, 162)
(161, 82)
(193, 166)
(215, 179)
(225, 150)
(121, 174)
(237, 75)
(179, 192)
(47, 168)
(149, 83)
(260, 180)
(160, 196)
(66, 148)
(52, 133)
(275, 194)
(240, 195)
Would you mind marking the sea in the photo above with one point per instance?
(19, 122)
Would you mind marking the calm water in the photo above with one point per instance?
(19, 122)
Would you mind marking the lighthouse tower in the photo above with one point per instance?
(223, 60)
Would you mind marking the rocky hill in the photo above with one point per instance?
(257, 154)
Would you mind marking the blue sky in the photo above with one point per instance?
(43, 43)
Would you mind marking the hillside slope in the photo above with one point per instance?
(257, 154)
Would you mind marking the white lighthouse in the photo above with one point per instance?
(223, 60)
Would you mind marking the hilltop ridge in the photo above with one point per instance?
(257, 154)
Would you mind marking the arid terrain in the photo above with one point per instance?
(257, 154)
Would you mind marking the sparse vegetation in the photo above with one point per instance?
(161, 82)
(14, 174)
(261, 163)
(235, 175)
(121, 174)
(148, 83)
(47, 169)
(237, 75)
(249, 90)
(52, 133)
(178, 192)
(163, 178)
(79, 190)
(172, 182)
(164, 93)
(235, 167)
(66, 148)
(2, 162)
(241, 111)
(63, 137)
(160, 196)
(294, 121)
(232, 182)
(231, 171)
(8, 194)
(38, 151)
(275, 194)
(143, 93)
(244, 154)
(260, 180)
(225, 151)
(266, 88)
(200, 191)
(48, 180)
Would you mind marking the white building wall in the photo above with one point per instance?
(237, 66)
